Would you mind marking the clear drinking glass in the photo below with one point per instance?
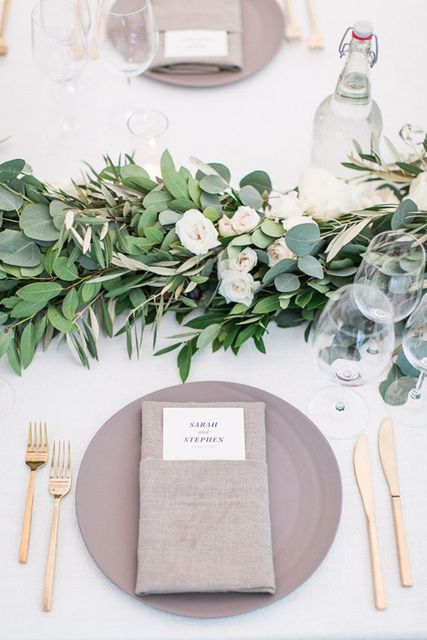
(128, 41)
(394, 262)
(148, 139)
(60, 50)
(413, 412)
(351, 349)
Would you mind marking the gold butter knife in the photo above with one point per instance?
(362, 469)
(387, 450)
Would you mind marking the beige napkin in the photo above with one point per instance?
(204, 524)
(178, 15)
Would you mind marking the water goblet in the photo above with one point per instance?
(342, 341)
(413, 411)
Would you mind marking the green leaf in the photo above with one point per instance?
(6, 337)
(282, 266)
(36, 222)
(222, 170)
(244, 335)
(64, 270)
(57, 211)
(184, 360)
(168, 217)
(27, 345)
(267, 305)
(70, 304)
(171, 347)
(311, 266)
(11, 169)
(208, 335)
(59, 321)
(303, 238)
(261, 240)
(251, 197)
(212, 214)
(273, 229)
(9, 201)
(88, 291)
(157, 200)
(258, 179)
(194, 190)
(213, 184)
(289, 318)
(13, 358)
(39, 291)
(286, 282)
(154, 235)
(134, 175)
(16, 249)
(25, 309)
(175, 183)
(403, 213)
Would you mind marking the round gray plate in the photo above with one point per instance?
(304, 484)
(263, 32)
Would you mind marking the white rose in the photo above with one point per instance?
(418, 190)
(245, 219)
(238, 286)
(245, 261)
(278, 251)
(369, 195)
(225, 227)
(196, 233)
(285, 206)
(224, 265)
(324, 196)
(295, 221)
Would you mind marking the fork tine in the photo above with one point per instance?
(46, 442)
(40, 442)
(52, 464)
(29, 436)
(68, 474)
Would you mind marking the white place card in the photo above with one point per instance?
(203, 433)
(195, 43)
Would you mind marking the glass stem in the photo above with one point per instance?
(416, 391)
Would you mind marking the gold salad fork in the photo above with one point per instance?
(59, 485)
(315, 40)
(36, 456)
(292, 31)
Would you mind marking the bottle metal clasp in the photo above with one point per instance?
(344, 46)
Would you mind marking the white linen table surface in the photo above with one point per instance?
(263, 122)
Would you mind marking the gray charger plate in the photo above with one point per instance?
(263, 32)
(305, 498)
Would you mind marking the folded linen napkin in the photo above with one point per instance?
(204, 524)
(192, 23)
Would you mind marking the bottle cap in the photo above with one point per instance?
(363, 30)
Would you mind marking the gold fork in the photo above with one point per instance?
(36, 456)
(59, 485)
(3, 22)
(292, 31)
(315, 40)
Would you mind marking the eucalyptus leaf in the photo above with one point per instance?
(303, 238)
(65, 270)
(9, 201)
(282, 266)
(39, 291)
(16, 249)
(273, 229)
(311, 266)
(286, 282)
(258, 179)
(174, 182)
(168, 217)
(261, 240)
(404, 212)
(36, 223)
(213, 184)
(250, 197)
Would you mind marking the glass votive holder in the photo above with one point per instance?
(148, 131)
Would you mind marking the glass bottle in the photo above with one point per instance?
(349, 113)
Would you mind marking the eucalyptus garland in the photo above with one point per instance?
(117, 251)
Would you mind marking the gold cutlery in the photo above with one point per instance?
(36, 456)
(3, 23)
(387, 450)
(292, 31)
(59, 485)
(315, 40)
(362, 469)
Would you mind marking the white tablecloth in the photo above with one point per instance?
(264, 122)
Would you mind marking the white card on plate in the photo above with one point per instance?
(203, 433)
(195, 43)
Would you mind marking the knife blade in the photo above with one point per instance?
(362, 469)
(387, 449)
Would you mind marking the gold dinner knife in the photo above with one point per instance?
(362, 469)
(389, 463)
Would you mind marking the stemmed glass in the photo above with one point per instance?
(343, 340)
(394, 262)
(128, 40)
(413, 412)
(60, 50)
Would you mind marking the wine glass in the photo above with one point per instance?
(128, 40)
(413, 411)
(60, 50)
(342, 341)
(394, 262)
(148, 137)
